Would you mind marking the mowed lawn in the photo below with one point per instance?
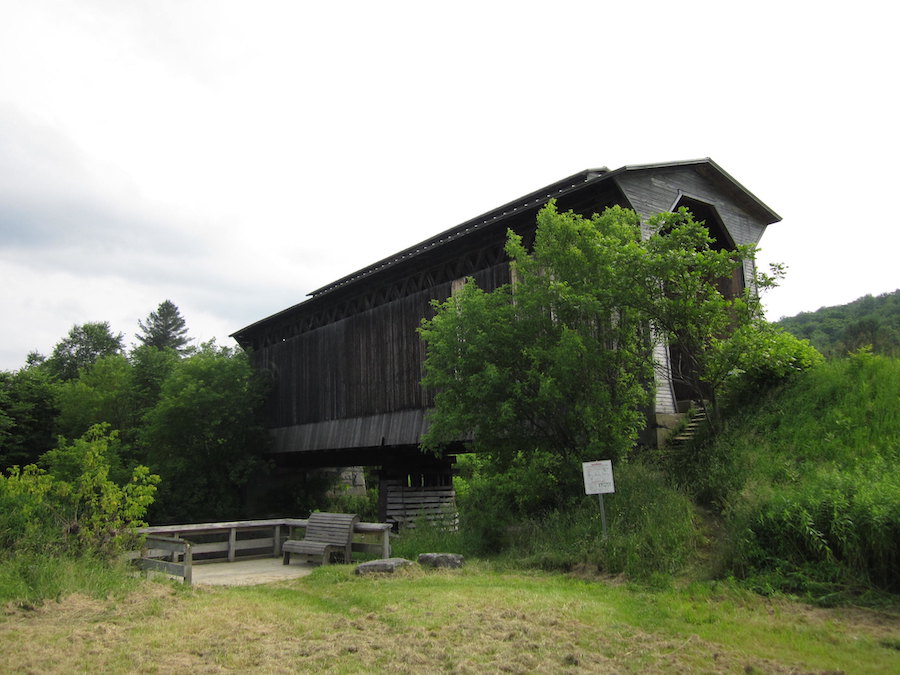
(470, 621)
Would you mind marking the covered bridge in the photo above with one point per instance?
(347, 361)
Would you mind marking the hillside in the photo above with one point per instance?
(806, 479)
(837, 330)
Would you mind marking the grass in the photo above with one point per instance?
(805, 478)
(28, 578)
(470, 621)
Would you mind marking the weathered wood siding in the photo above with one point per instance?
(665, 402)
(653, 191)
(355, 382)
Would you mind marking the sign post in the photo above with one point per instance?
(598, 480)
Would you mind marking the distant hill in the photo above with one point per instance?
(835, 331)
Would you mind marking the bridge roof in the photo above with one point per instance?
(573, 183)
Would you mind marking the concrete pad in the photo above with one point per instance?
(248, 572)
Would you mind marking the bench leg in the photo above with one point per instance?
(286, 558)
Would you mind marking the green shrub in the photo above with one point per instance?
(27, 512)
(496, 494)
(84, 513)
(650, 526)
(760, 356)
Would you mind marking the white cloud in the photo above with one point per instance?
(234, 157)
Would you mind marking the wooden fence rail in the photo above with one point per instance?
(238, 539)
(179, 551)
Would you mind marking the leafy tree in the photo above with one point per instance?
(150, 367)
(553, 369)
(100, 394)
(165, 328)
(117, 391)
(560, 359)
(81, 348)
(205, 436)
(27, 415)
(104, 393)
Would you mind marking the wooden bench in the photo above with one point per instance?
(326, 533)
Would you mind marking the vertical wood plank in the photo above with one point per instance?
(188, 564)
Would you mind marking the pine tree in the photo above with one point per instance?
(165, 328)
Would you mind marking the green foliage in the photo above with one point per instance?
(27, 413)
(28, 512)
(205, 435)
(836, 532)
(149, 369)
(759, 356)
(559, 361)
(117, 391)
(101, 393)
(196, 420)
(75, 508)
(498, 493)
(81, 349)
(806, 479)
(432, 537)
(29, 578)
(165, 329)
(651, 529)
(842, 329)
(651, 525)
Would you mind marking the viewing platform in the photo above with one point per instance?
(240, 552)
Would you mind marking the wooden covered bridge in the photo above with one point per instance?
(347, 361)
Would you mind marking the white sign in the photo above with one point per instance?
(598, 477)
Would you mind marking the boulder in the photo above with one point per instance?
(385, 566)
(449, 560)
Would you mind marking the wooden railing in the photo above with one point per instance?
(181, 559)
(236, 539)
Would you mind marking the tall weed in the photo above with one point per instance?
(650, 528)
(29, 578)
(433, 536)
(806, 476)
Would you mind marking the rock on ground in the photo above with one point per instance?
(451, 560)
(386, 566)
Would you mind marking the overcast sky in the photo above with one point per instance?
(234, 156)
